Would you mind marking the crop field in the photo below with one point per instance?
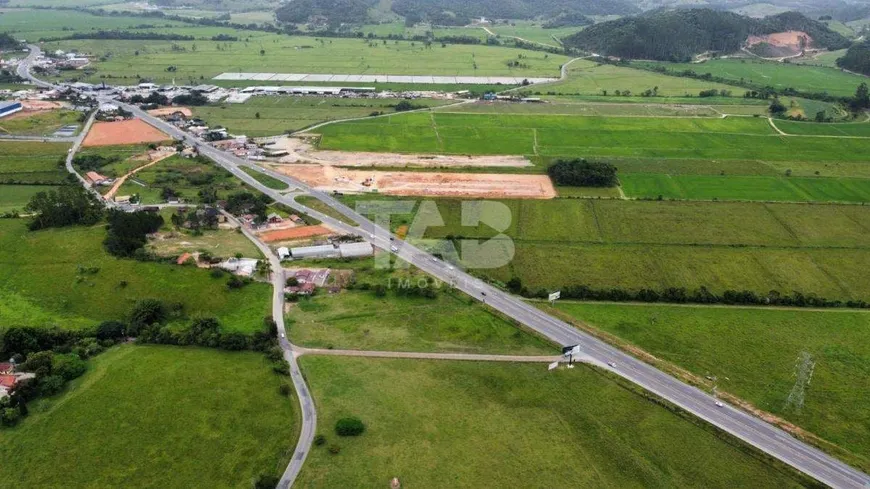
(147, 416)
(590, 78)
(744, 138)
(360, 320)
(534, 32)
(468, 424)
(777, 75)
(35, 24)
(814, 249)
(39, 124)
(592, 109)
(269, 116)
(32, 162)
(199, 60)
(828, 59)
(45, 281)
(854, 129)
(753, 353)
(15, 197)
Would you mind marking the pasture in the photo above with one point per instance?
(814, 249)
(146, 416)
(16, 197)
(470, 424)
(752, 353)
(39, 124)
(47, 279)
(185, 177)
(32, 24)
(32, 162)
(272, 53)
(269, 116)
(533, 32)
(359, 319)
(778, 75)
(587, 77)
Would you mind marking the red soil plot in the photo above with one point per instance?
(294, 233)
(133, 131)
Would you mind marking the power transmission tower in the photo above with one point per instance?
(804, 367)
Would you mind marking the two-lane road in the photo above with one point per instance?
(740, 424)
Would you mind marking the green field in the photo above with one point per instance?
(147, 416)
(42, 283)
(360, 320)
(269, 116)
(854, 129)
(32, 162)
(738, 138)
(283, 54)
(467, 424)
(185, 176)
(753, 352)
(818, 249)
(590, 78)
(41, 124)
(35, 24)
(533, 32)
(16, 197)
(778, 75)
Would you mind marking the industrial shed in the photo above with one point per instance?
(8, 108)
(323, 251)
(356, 250)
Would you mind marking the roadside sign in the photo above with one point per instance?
(555, 295)
(553, 366)
(567, 349)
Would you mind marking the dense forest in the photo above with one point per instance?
(857, 58)
(451, 12)
(331, 12)
(8, 42)
(571, 19)
(677, 35)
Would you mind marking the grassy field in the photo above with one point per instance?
(35, 24)
(533, 32)
(147, 416)
(15, 197)
(283, 54)
(854, 129)
(222, 243)
(32, 162)
(777, 75)
(185, 176)
(753, 352)
(360, 320)
(453, 424)
(41, 124)
(590, 78)
(268, 116)
(43, 283)
(604, 137)
(636, 244)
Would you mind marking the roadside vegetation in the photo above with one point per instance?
(756, 354)
(495, 420)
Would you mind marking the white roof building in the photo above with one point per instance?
(356, 250)
(240, 266)
(323, 251)
(283, 252)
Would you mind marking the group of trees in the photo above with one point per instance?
(121, 35)
(67, 205)
(127, 232)
(857, 58)
(193, 99)
(241, 203)
(678, 35)
(583, 173)
(54, 355)
(8, 43)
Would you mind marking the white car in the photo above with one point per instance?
(282, 335)
(372, 236)
(719, 404)
(450, 267)
(394, 249)
(611, 364)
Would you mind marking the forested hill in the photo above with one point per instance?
(857, 58)
(677, 35)
(450, 12)
(461, 12)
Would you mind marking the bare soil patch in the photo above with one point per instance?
(165, 111)
(787, 43)
(303, 151)
(133, 131)
(294, 233)
(425, 184)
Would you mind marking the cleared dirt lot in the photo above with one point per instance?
(302, 151)
(294, 233)
(424, 184)
(164, 111)
(132, 131)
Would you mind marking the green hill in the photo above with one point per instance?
(677, 35)
(857, 58)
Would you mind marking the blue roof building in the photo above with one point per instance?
(8, 108)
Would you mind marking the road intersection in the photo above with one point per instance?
(753, 431)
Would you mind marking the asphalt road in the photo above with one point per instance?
(738, 423)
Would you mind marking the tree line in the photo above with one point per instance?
(582, 173)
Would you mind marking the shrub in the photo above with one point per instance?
(146, 312)
(284, 390)
(349, 427)
(319, 440)
(266, 481)
(51, 385)
(334, 449)
(582, 173)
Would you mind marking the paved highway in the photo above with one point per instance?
(738, 423)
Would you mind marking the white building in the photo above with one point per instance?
(323, 251)
(356, 250)
(283, 252)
